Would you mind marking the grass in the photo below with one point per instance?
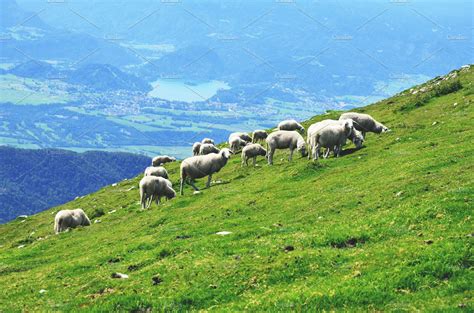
(384, 228)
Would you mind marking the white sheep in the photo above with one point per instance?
(158, 171)
(154, 188)
(65, 219)
(355, 136)
(207, 140)
(285, 139)
(332, 137)
(243, 136)
(259, 134)
(364, 123)
(196, 147)
(202, 165)
(207, 148)
(290, 125)
(236, 143)
(162, 159)
(252, 151)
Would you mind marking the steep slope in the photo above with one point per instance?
(32, 180)
(387, 227)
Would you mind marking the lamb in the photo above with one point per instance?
(158, 171)
(207, 140)
(196, 147)
(207, 148)
(201, 166)
(162, 159)
(364, 123)
(243, 136)
(355, 137)
(290, 125)
(259, 134)
(285, 139)
(252, 151)
(332, 137)
(70, 219)
(154, 188)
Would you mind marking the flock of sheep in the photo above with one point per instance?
(208, 159)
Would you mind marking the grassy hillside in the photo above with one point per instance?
(388, 227)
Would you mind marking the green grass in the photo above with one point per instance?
(385, 228)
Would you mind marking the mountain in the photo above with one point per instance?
(102, 77)
(34, 180)
(384, 228)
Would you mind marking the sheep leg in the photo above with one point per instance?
(191, 183)
(326, 153)
(317, 150)
(270, 157)
(290, 158)
(208, 184)
(254, 161)
(337, 151)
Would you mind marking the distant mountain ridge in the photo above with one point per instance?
(98, 77)
(34, 180)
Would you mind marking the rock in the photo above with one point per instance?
(429, 242)
(455, 104)
(397, 139)
(196, 192)
(114, 184)
(22, 216)
(398, 194)
(223, 233)
(113, 211)
(434, 123)
(21, 246)
(289, 248)
(42, 291)
(212, 286)
(97, 221)
(131, 188)
(119, 275)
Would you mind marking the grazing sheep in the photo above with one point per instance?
(364, 123)
(332, 137)
(259, 134)
(70, 219)
(243, 136)
(202, 165)
(162, 159)
(158, 171)
(207, 140)
(207, 148)
(355, 137)
(236, 143)
(154, 188)
(196, 147)
(285, 139)
(252, 151)
(290, 125)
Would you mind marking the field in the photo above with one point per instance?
(384, 228)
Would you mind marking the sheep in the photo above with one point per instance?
(285, 139)
(252, 151)
(201, 166)
(65, 219)
(259, 134)
(243, 136)
(154, 188)
(364, 123)
(162, 159)
(355, 137)
(207, 140)
(196, 147)
(332, 137)
(236, 143)
(290, 125)
(158, 171)
(207, 148)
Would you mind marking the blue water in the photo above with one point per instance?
(178, 90)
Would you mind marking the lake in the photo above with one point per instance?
(178, 90)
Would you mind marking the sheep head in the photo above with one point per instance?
(226, 153)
